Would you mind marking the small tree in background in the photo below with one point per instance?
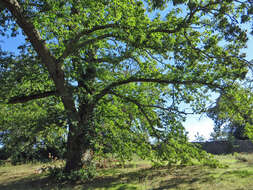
(232, 114)
(199, 138)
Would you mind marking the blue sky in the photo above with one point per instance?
(11, 44)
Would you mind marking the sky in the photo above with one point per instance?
(194, 123)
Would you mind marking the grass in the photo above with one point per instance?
(141, 175)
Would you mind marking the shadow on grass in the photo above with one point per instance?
(186, 177)
(177, 177)
(1, 173)
(123, 181)
(28, 183)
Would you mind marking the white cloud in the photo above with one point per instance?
(195, 124)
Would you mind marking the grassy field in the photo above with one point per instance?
(140, 175)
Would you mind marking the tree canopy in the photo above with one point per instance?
(122, 71)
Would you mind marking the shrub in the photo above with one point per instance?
(84, 174)
(56, 171)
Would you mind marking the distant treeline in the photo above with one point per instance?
(38, 154)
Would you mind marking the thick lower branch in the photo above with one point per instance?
(23, 99)
(108, 88)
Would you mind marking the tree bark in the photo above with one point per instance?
(79, 141)
(77, 147)
(74, 153)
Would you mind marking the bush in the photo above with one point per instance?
(4, 155)
(56, 171)
(84, 174)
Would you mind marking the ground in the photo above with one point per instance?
(139, 174)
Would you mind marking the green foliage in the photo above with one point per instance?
(34, 130)
(84, 174)
(233, 113)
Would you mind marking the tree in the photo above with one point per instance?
(199, 138)
(32, 130)
(232, 113)
(113, 65)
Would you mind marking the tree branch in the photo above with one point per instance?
(116, 60)
(75, 46)
(75, 40)
(108, 88)
(33, 35)
(170, 109)
(23, 99)
(184, 24)
(140, 107)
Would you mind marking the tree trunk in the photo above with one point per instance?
(79, 143)
(77, 146)
(74, 153)
(80, 133)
